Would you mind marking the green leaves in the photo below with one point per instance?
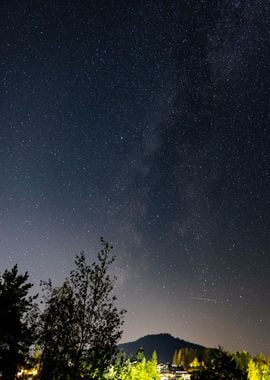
(144, 369)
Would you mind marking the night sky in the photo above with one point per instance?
(147, 123)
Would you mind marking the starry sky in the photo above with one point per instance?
(145, 122)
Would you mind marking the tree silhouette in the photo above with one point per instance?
(17, 321)
(222, 365)
(81, 325)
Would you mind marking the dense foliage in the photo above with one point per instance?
(17, 321)
(140, 369)
(259, 368)
(237, 366)
(222, 365)
(77, 332)
(80, 325)
(184, 357)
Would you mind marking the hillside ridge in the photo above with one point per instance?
(164, 344)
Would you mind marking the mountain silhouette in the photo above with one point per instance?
(163, 344)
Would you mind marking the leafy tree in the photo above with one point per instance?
(176, 360)
(195, 365)
(81, 325)
(253, 371)
(145, 369)
(185, 356)
(206, 355)
(17, 321)
(120, 369)
(58, 332)
(151, 367)
(222, 365)
(242, 361)
(139, 356)
(259, 368)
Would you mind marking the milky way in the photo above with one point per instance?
(146, 123)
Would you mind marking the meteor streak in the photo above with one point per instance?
(204, 300)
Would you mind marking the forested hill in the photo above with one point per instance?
(163, 344)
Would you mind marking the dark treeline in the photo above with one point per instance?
(217, 364)
(76, 334)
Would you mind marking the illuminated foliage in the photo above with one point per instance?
(145, 369)
(185, 356)
(253, 371)
(195, 364)
(259, 368)
(222, 365)
(141, 369)
(120, 369)
(242, 361)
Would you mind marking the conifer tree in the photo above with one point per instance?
(18, 314)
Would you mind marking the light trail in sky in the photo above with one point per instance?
(205, 300)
